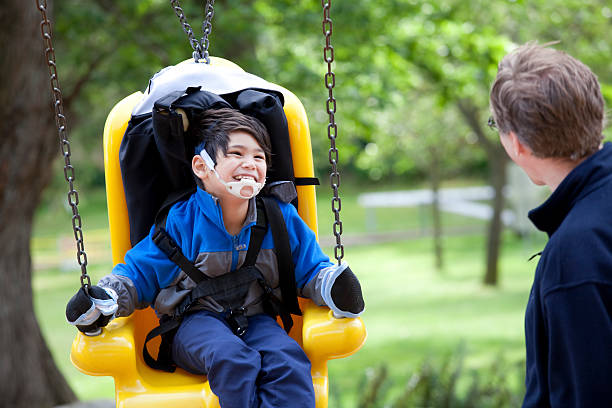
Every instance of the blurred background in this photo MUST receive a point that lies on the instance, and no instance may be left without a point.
(434, 215)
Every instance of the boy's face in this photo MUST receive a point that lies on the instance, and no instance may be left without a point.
(244, 159)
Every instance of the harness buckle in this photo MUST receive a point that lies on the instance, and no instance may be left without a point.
(267, 289)
(237, 321)
(165, 243)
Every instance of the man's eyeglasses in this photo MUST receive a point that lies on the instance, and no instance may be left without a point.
(491, 123)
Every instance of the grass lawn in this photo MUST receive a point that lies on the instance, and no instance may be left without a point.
(413, 312)
(416, 314)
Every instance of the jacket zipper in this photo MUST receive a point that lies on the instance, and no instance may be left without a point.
(235, 241)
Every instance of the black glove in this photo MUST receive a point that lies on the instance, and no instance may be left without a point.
(341, 291)
(346, 292)
(91, 312)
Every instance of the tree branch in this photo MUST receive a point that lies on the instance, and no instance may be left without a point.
(470, 114)
(81, 81)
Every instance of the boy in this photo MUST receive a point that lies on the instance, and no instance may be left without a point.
(549, 111)
(262, 367)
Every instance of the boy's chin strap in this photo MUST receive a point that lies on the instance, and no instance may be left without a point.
(235, 187)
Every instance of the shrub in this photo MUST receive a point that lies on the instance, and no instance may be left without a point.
(447, 384)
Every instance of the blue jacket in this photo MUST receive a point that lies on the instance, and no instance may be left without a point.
(148, 277)
(568, 322)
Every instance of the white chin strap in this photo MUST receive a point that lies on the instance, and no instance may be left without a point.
(245, 188)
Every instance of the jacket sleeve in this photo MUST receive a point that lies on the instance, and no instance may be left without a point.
(145, 271)
(308, 257)
(127, 296)
(578, 319)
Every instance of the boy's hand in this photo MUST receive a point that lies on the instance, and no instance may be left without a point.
(341, 291)
(184, 117)
(89, 313)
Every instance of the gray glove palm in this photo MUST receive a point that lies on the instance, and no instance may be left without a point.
(89, 312)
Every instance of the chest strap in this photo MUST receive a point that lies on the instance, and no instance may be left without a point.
(173, 251)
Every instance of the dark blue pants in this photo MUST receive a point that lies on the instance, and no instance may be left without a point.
(264, 368)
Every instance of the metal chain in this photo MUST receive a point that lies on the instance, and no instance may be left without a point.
(200, 48)
(332, 130)
(207, 28)
(60, 121)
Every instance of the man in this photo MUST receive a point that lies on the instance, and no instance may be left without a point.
(549, 111)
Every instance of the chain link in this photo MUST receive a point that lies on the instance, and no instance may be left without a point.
(207, 28)
(200, 48)
(60, 121)
(332, 130)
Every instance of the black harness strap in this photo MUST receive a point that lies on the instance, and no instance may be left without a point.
(166, 329)
(258, 232)
(286, 269)
(282, 248)
(164, 241)
(307, 181)
(168, 246)
(224, 288)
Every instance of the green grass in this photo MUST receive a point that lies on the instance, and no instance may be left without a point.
(413, 312)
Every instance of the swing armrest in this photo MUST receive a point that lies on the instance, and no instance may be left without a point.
(111, 353)
(326, 337)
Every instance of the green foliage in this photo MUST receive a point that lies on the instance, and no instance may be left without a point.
(442, 384)
(402, 67)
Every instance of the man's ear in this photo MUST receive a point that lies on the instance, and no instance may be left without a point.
(200, 169)
(519, 148)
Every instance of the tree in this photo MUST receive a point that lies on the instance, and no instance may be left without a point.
(440, 48)
(29, 375)
(453, 47)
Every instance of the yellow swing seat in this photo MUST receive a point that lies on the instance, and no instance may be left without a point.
(117, 352)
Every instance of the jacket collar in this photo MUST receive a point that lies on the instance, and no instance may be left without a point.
(209, 205)
(583, 179)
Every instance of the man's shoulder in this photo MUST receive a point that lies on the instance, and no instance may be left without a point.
(590, 214)
(580, 251)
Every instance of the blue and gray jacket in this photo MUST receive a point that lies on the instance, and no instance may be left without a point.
(149, 277)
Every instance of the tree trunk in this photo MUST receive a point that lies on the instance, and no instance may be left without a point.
(434, 177)
(498, 181)
(29, 375)
(497, 159)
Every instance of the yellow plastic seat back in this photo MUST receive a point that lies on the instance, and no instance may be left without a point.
(117, 352)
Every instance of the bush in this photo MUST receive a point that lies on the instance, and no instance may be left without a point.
(444, 385)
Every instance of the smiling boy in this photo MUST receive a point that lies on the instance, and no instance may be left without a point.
(258, 366)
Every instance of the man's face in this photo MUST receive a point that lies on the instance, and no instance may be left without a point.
(507, 143)
(522, 156)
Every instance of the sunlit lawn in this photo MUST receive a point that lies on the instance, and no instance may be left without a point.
(413, 312)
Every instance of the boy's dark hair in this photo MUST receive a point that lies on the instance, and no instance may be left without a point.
(211, 130)
(550, 100)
